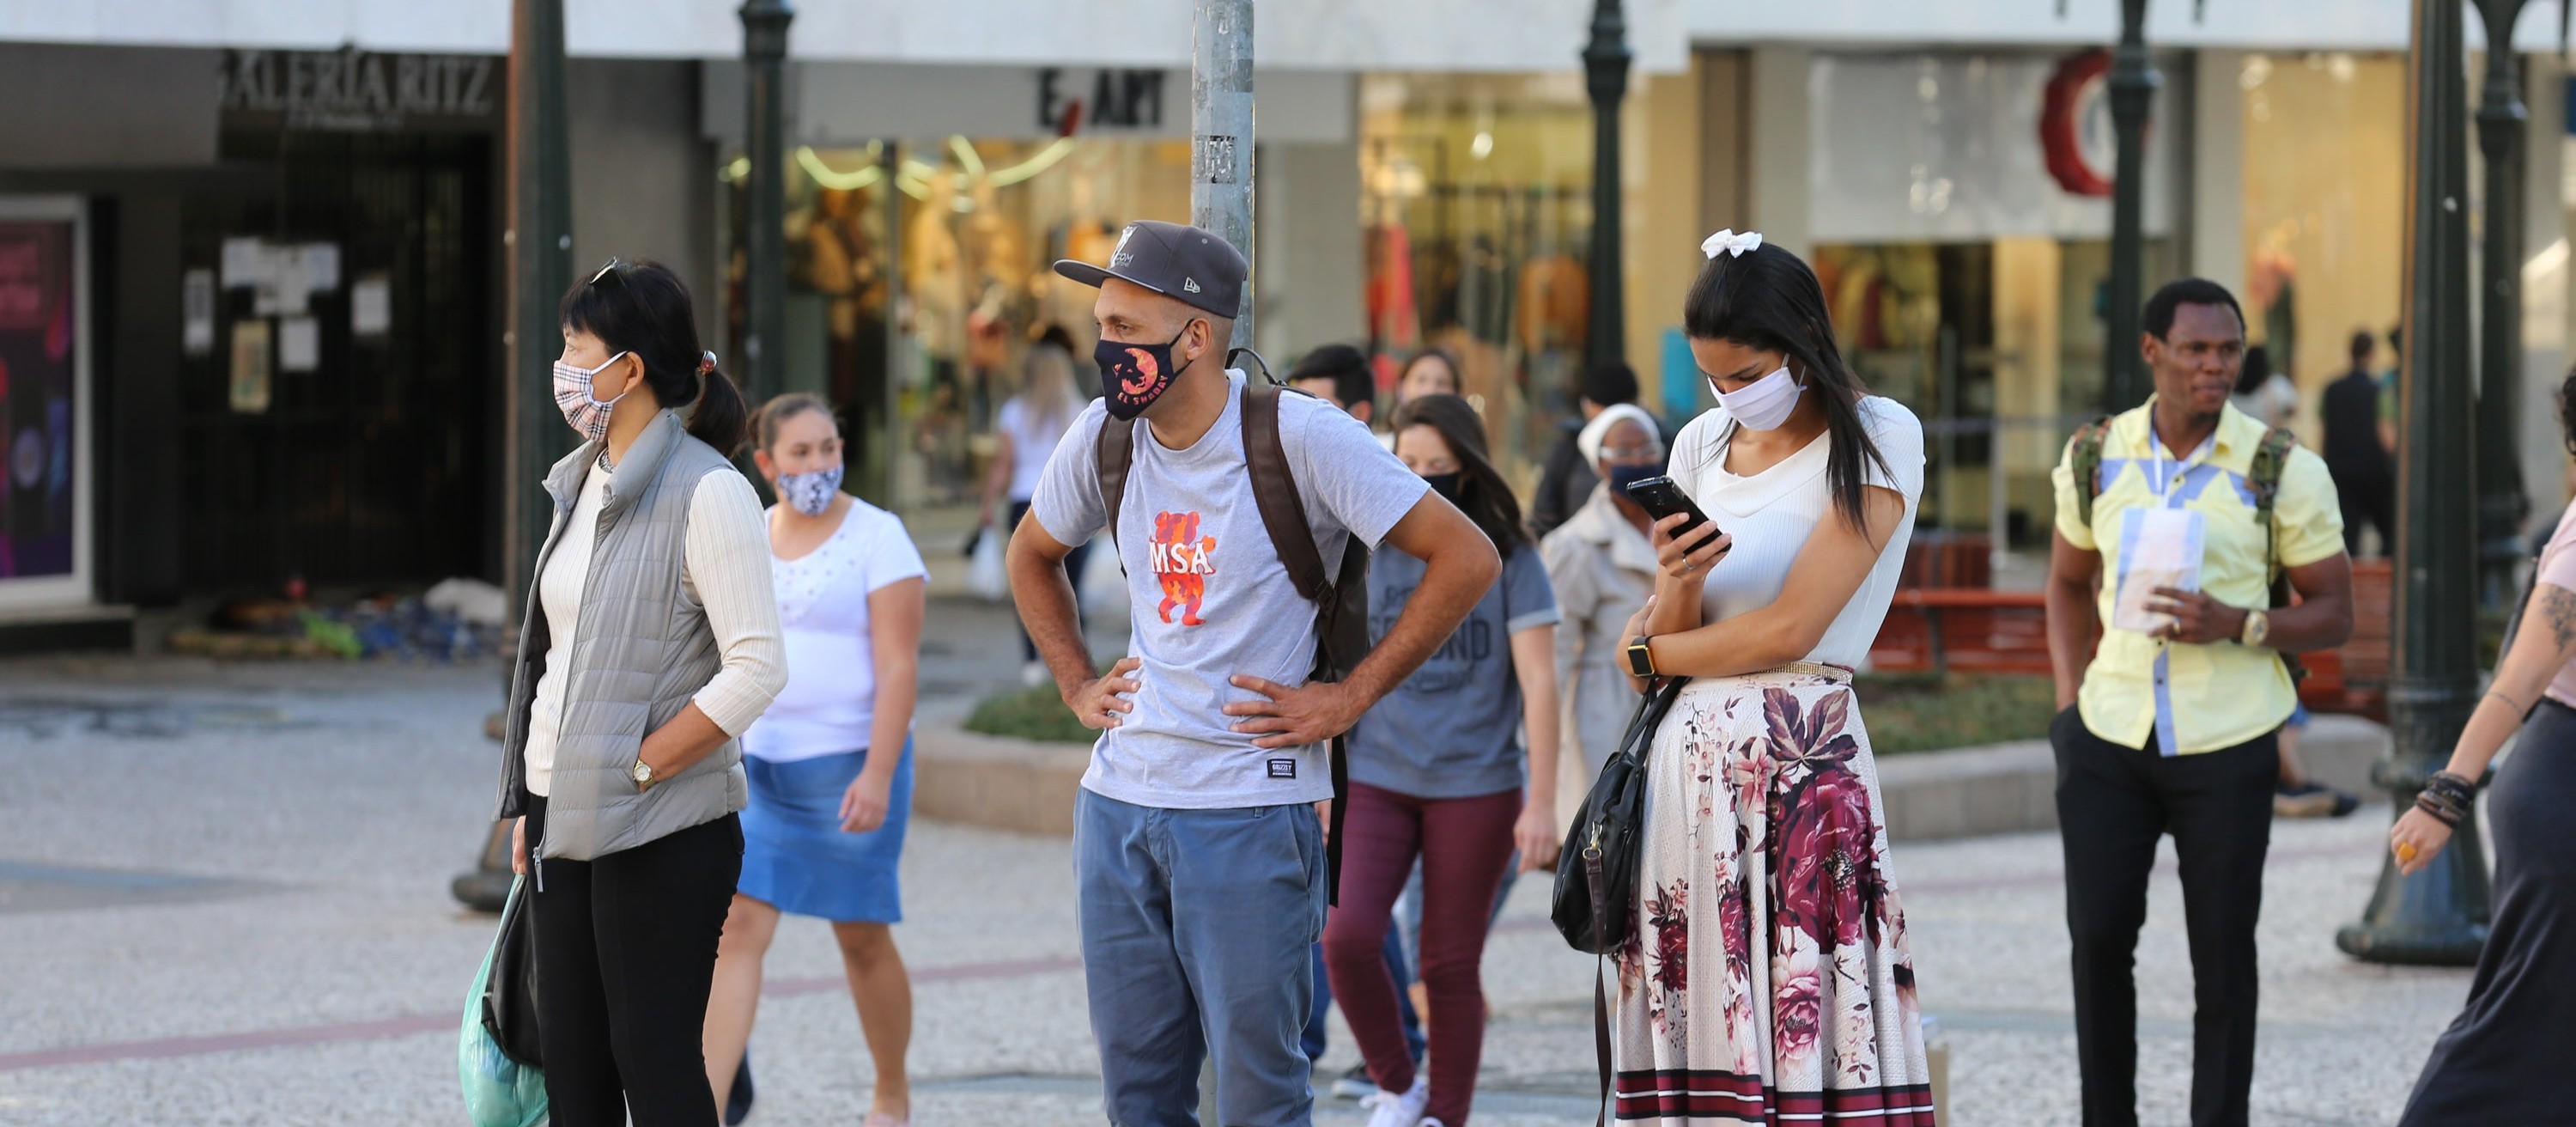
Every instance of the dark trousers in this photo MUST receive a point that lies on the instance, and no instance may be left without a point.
(1072, 570)
(2113, 802)
(2367, 498)
(626, 951)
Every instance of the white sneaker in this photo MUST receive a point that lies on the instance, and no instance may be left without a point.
(1392, 1110)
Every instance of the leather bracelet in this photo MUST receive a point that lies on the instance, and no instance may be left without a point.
(2439, 812)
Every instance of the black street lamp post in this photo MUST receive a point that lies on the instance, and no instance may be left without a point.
(1605, 68)
(764, 57)
(2439, 915)
(2133, 85)
(2503, 123)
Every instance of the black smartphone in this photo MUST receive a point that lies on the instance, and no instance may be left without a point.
(1661, 498)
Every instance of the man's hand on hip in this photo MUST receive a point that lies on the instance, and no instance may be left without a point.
(1099, 702)
(1310, 713)
(2198, 619)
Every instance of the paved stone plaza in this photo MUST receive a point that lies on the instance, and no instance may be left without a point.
(223, 900)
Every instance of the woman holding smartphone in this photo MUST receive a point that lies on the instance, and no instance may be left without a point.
(1769, 977)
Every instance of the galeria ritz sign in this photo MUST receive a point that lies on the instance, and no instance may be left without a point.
(353, 91)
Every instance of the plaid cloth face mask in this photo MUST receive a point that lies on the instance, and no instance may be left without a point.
(587, 414)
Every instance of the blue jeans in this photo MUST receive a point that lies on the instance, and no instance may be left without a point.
(1195, 930)
(1396, 964)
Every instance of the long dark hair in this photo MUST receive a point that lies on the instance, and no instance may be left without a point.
(1482, 493)
(1767, 298)
(643, 308)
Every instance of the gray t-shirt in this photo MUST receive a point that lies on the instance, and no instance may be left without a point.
(1452, 730)
(1211, 598)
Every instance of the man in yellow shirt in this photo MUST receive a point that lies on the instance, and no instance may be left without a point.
(2170, 727)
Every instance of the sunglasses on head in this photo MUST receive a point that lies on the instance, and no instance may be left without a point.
(609, 271)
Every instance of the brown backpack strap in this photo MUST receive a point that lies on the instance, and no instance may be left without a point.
(1116, 451)
(1274, 488)
(1283, 514)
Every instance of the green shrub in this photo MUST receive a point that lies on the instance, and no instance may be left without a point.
(1904, 711)
(1930, 711)
(1033, 713)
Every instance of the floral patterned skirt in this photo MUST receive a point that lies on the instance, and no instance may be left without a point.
(1767, 979)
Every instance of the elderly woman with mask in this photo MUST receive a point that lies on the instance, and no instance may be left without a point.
(1603, 568)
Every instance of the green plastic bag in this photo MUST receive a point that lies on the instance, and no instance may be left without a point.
(499, 1092)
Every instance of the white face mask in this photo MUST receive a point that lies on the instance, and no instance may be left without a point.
(582, 408)
(1765, 403)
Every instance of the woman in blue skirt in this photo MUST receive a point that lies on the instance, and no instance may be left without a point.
(831, 762)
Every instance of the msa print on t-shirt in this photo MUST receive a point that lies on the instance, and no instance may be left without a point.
(1180, 560)
(1210, 599)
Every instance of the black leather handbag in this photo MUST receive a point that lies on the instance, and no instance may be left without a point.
(1596, 871)
(510, 993)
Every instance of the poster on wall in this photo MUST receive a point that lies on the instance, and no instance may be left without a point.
(42, 550)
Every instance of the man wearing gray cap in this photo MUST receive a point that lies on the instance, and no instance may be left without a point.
(1198, 850)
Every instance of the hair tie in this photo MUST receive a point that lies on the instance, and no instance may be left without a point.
(706, 363)
(1728, 242)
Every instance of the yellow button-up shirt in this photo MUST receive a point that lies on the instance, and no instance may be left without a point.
(2214, 696)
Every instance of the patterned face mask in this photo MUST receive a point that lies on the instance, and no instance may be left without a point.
(587, 414)
(810, 493)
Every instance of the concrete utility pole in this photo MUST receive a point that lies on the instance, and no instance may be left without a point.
(539, 245)
(2503, 122)
(764, 71)
(2133, 85)
(1221, 133)
(2438, 916)
(1605, 72)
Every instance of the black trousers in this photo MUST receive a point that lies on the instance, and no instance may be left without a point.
(2113, 802)
(626, 953)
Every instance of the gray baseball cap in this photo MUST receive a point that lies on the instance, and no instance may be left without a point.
(1183, 263)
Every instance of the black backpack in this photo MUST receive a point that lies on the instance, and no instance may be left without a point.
(1341, 601)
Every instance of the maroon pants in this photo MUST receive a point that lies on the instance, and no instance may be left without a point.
(1464, 844)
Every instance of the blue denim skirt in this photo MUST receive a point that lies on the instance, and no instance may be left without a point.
(795, 856)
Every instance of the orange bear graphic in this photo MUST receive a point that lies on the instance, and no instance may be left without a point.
(1181, 561)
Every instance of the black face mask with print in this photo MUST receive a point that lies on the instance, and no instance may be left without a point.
(1133, 376)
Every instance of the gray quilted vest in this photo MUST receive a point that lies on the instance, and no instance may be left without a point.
(642, 650)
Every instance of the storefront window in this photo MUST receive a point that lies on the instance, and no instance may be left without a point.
(2325, 197)
(919, 277)
(1476, 197)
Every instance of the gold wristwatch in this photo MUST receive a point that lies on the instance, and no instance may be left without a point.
(1641, 660)
(642, 773)
(2258, 626)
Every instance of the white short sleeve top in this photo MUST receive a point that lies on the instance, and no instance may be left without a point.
(1771, 513)
(829, 704)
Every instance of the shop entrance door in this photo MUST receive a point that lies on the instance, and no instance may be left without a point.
(339, 425)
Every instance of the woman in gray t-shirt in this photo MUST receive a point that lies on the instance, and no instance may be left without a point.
(1438, 774)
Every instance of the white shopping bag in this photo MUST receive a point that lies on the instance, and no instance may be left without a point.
(985, 575)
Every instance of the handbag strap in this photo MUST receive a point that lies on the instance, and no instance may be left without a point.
(1601, 1033)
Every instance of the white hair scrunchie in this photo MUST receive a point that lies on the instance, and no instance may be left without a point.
(1728, 242)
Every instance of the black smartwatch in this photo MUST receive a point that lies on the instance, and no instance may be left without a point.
(1641, 660)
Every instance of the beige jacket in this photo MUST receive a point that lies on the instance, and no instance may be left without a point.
(1603, 570)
